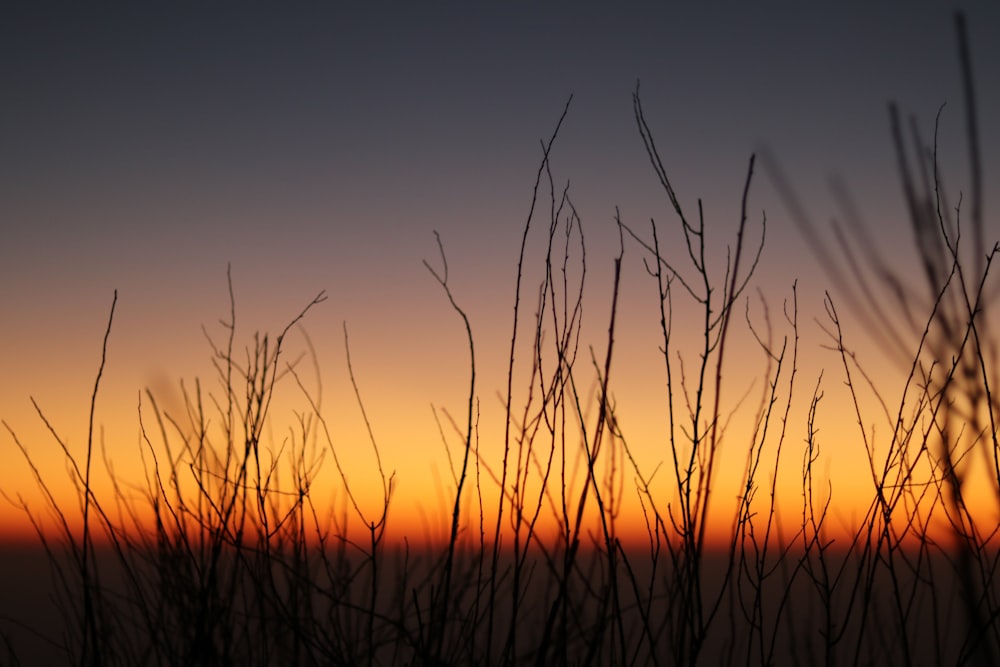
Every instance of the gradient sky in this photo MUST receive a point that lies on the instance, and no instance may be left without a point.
(144, 149)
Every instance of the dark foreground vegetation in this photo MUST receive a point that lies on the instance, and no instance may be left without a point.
(225, 557)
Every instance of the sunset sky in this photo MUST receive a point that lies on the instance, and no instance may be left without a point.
(145, 149)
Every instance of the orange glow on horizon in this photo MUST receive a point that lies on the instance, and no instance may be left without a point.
(343, 445)
(420, 451)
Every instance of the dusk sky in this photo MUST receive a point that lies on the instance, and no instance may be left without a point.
(311, 148)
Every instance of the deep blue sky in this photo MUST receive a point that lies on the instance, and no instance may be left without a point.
(216, 133)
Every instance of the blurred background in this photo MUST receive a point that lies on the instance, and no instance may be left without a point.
(145, 149)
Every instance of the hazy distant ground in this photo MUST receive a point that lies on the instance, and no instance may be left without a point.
(27, 602)
(26, 599)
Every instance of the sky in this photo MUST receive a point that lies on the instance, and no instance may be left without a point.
(146, 149)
